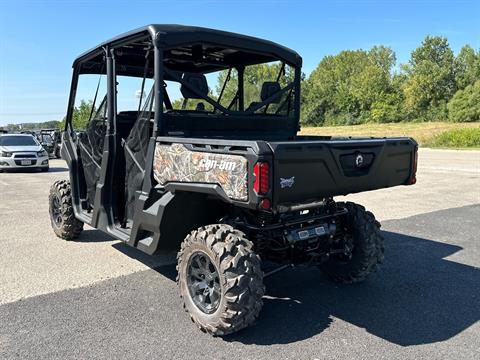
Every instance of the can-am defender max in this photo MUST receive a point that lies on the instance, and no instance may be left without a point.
(222, 175)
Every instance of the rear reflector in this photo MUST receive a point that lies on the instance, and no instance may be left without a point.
(265, 204)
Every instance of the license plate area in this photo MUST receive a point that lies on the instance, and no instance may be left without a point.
(26, 162)
(307, 233)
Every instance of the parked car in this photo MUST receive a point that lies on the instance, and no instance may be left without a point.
(22, 151)
(224, 179)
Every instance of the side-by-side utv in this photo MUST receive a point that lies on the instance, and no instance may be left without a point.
(51, 141)
(208, 162)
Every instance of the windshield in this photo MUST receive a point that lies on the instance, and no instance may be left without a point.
(17, 141)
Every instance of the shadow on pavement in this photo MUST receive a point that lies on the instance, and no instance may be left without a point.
(33, 170)
(163, 263)
(58, 169)
(417, 298)
(93, 236)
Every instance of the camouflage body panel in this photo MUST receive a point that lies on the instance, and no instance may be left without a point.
(177, 163)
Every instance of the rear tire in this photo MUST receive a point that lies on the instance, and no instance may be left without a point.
(62, 217)
(226, 295)
(367, 252)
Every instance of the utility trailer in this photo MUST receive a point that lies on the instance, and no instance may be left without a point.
(219, 175)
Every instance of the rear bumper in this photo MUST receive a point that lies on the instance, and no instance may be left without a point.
(7, 163)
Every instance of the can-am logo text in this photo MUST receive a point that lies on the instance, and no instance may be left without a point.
(210, 164)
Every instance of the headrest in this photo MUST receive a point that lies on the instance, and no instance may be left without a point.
(198, 82)
(268, 89)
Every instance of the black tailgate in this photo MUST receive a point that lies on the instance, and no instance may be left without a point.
(310, 170)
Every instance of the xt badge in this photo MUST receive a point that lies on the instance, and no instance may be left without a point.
(287, 182)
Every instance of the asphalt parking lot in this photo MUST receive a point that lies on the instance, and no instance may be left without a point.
(96, 298)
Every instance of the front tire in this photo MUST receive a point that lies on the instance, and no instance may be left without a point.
(367, 252)
(62, 217)
(220, 279)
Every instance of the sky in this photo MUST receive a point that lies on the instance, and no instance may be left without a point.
(40, 39)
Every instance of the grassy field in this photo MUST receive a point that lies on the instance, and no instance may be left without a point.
(428, 134)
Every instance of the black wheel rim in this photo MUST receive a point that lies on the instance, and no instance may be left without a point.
(203, 282)
(56, 212)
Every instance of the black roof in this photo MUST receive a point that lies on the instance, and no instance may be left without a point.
(171, 36)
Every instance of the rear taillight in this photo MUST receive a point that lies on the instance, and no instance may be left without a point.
(261, 172)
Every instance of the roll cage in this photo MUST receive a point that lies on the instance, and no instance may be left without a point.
(169, 52)
(111, 160)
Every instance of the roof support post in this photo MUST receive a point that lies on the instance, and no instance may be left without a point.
(298, 76)
(159, 127)
(71, 102)
(241, 90)
(111, 91)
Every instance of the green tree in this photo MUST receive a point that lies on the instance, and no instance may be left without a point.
(467, 67)
(327, 92)
(81, 115)
(344, 88)
(465, 104)
(383, 57)
(431, 78)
